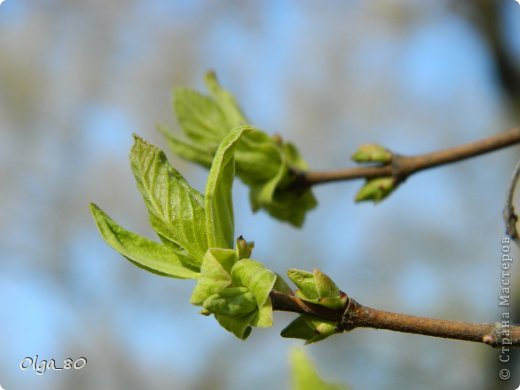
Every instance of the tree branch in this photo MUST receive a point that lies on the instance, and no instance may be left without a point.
(404, 166)
(510, 217)
(356, 315)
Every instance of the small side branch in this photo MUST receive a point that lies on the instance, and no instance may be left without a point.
(356, 315)
(510, 217)
(404, 166)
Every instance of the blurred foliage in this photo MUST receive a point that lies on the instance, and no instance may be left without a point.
(268, 165)
(305, 376)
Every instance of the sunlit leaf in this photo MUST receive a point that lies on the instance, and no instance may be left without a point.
(265, 163)
(231, 302)
(176, 209)
(253, 275)
(239, 326)
(218, 199)
(141, 251)
(215, 274)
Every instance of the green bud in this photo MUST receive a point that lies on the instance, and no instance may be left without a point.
(244, 248)
(298, 329)
(376, 189)
(325, 286)
(317, 288)
(305, 282)
(368, 153)
(310, 329)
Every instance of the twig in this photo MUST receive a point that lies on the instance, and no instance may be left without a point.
(404, 166)
(356, 315)
(510, 217)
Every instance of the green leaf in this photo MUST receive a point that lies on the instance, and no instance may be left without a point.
(215, 274)
(218, 199)
(266, 164)
(225, 101)
(264, 316)
(200, 117)
(141, 251)
(239, 326)
(268, 168)
(176, 209)
(281, 285)
(191, 152)
(253, 275)
(231, 302)
(305, 375)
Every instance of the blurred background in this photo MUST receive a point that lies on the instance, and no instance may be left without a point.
(77, 78)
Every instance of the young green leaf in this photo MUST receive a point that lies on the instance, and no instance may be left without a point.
(141, 251)
(215, 274)
(264, 316)
(225, 101)
(239, 326)
(200, 117)
(218, 200)
(231, 302)
(191, 152)
(264, 163)
(176, 209)
(253, 275)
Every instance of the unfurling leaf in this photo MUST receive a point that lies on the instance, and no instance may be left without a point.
(239, 326)
(218, 199)
(236, 291)
(376, 189)
(266, 164)
(141, 251)
(253, 275)
(215, 274)
(231, 302)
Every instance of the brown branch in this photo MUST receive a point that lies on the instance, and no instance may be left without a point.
(356, 315)
(404, 166)
(510, 216)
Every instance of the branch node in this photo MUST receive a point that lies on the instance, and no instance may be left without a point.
(399, 173)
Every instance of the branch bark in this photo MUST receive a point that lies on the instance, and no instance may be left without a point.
(510, 217)
(404, 166)
(355, 315)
